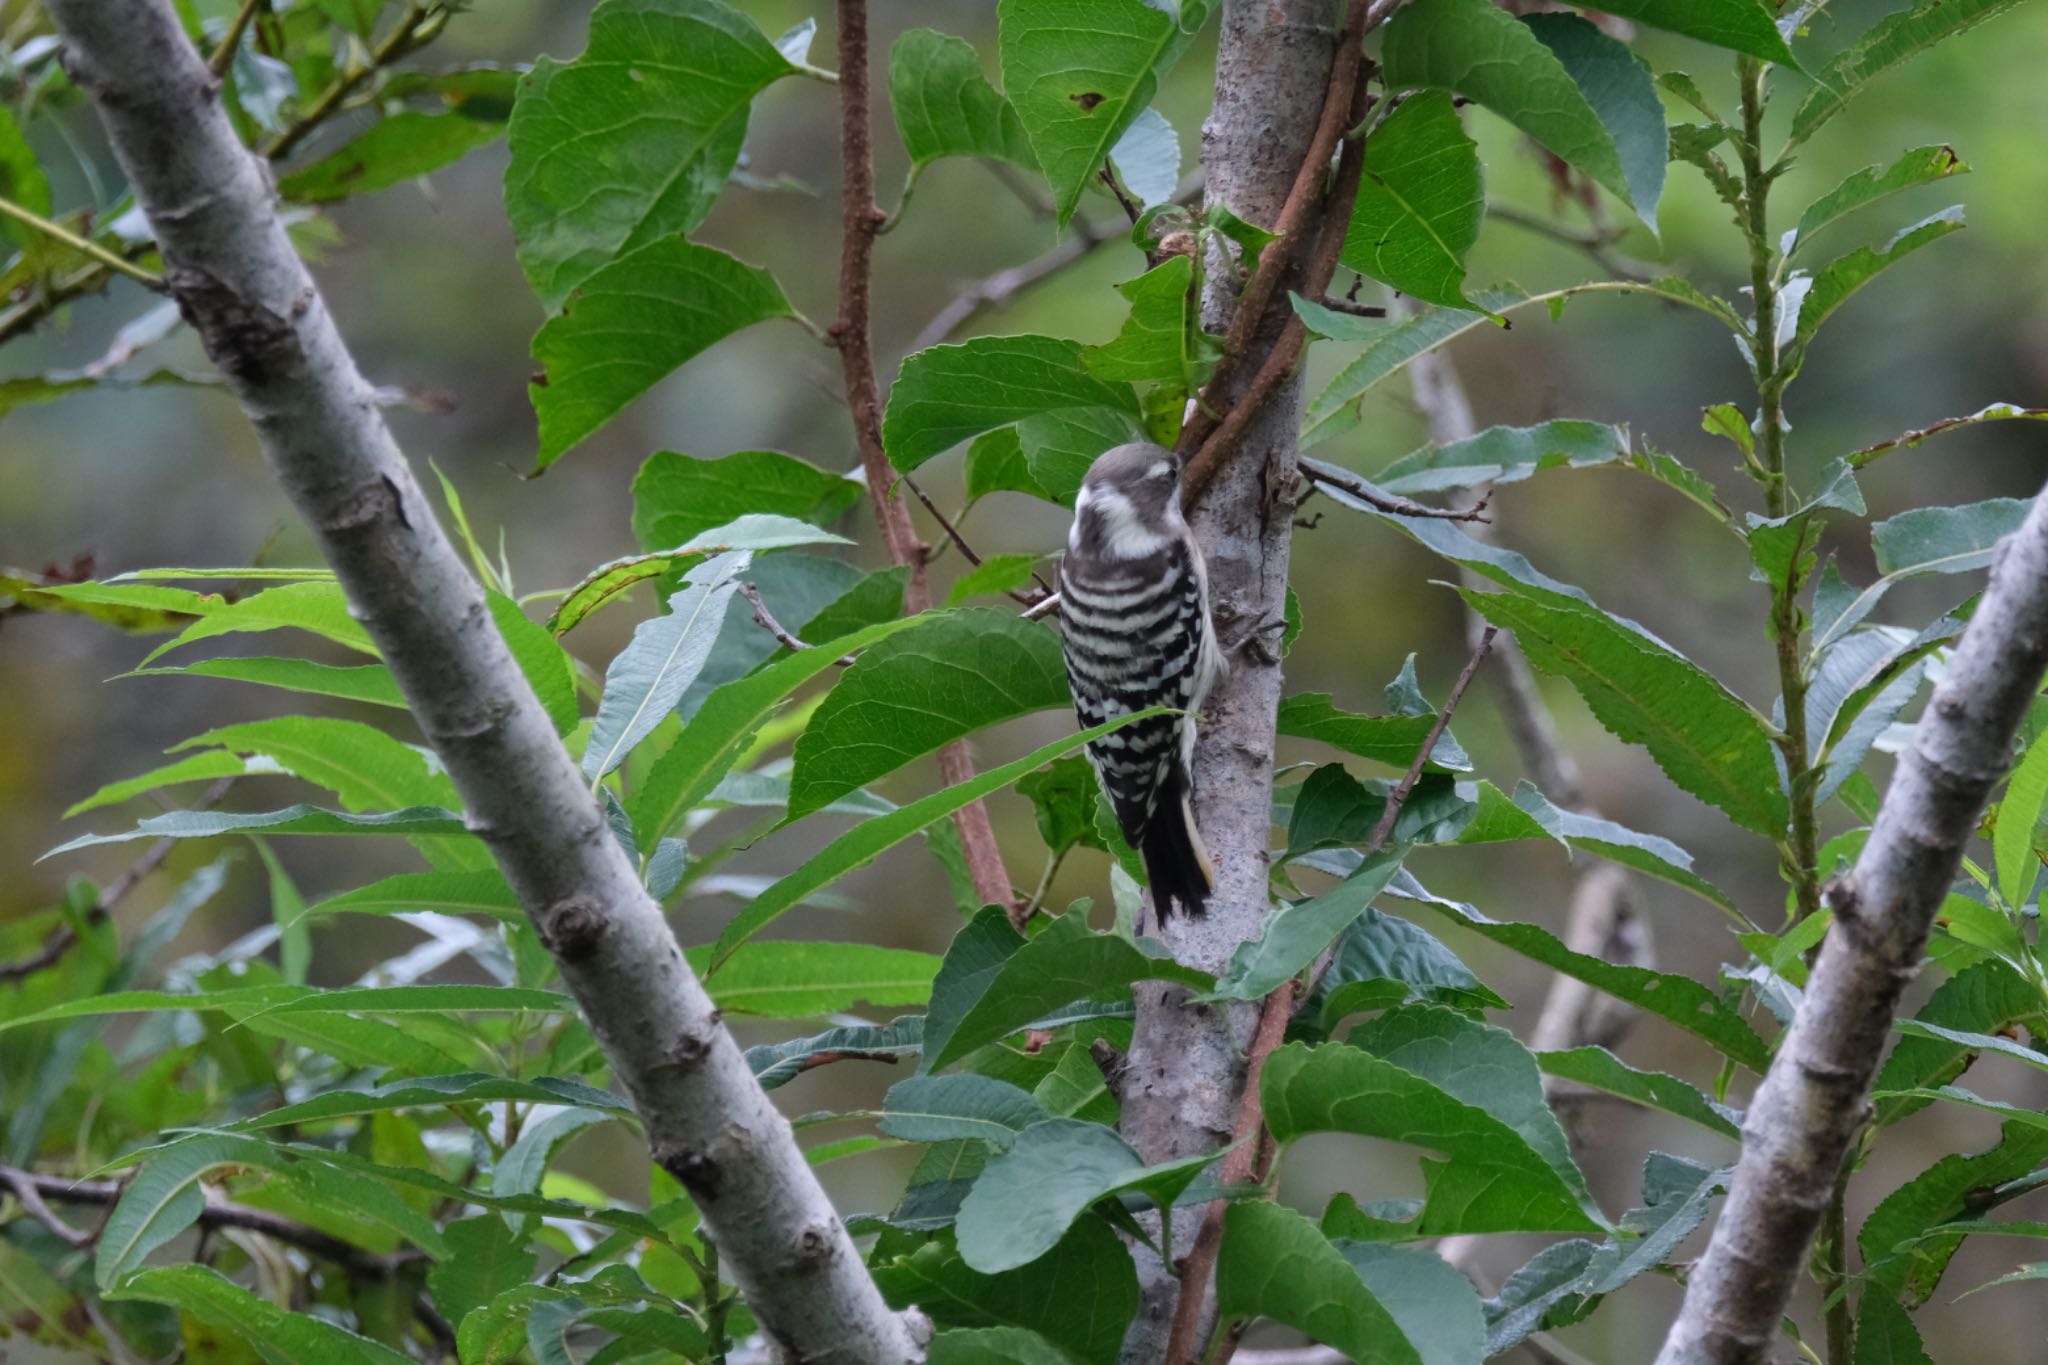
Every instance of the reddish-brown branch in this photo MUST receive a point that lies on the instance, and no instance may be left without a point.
(852, 333)
(1251, 1154)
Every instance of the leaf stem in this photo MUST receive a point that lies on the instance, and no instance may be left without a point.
(85, 246)
(224, 56)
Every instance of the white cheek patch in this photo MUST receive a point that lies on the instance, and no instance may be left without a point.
(1124, 535)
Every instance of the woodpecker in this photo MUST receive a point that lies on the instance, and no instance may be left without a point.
(1134, 614)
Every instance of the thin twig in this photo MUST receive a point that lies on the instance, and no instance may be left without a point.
(1049, 605)
(1020, 596)
(224, 56)
(1399, 796)
(85, 246)
(32, 1200)
(783, 635)
(417, 26)
(1329, 476)
(1352, 306)
(1597, 244)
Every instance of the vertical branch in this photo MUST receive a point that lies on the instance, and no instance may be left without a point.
(1816, 1094)
(852, 333)
(264, 323)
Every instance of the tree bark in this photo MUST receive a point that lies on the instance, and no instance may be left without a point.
(262, 320)
(1186, 1064)
(1816, 1094)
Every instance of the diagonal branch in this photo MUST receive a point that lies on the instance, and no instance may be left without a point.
(264, 322)
(1817, 1093)
(852, 332)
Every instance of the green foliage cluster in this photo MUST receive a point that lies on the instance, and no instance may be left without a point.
(366, 1172)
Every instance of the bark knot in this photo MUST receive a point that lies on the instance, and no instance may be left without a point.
(573, 927)
(242, 335)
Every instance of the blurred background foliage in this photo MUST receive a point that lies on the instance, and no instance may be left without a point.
(426, 289)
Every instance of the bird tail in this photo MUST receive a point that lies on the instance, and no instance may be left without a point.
(1176, 862)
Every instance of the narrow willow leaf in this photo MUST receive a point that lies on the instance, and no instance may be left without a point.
(1842, 277)
(1026, 1198)
(1505, 455)
(1900, 1260)
(1891, 41)
(679, 500)
(207, 824)
(1078, 72)
(398, 147)
(1393, 740)
(1985, 999)
(907, 696)
(317, 607)
(962, 1107)
(797, 980)
(948, 394)
(1275, 1264)
(433, 1092)
(776, 1064)
(1296, 934)
(1420, 203)
(140, 608)
(245, 1001)
(1390, 345)
(370, 683)
(648, 677)
(285, 1338)
(1648, 853)
(1600, 1069)
(627, 326)
(1925, 540)
(547, 666)
(364, 767)
(201, 767)
(945, 106)
(865, 842)
(1921, 166)
(630, 143)
(1623, 94)
(1475, 50)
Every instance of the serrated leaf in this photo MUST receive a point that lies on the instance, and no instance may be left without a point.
(1980, 1000)
(678, 500)
(1891, 41)
(1738, 25)
(489, 1258)
(1419, 203)
(995, 464)
(1390, 347)
(776, 1064)
(948, 394)
(630, 143)
(366, 768)
(1648, 853)
(958, 1107)
(285, 1338)
(1296, 934)
(1392, 740)
(1382, 961)
(1505, 455)
(798, 980)
(433, 1092)
(1059, 445)
(371, 683)
(547, 666)
(1921, 166)
(400, 146)
(483, 892)
(1275, 1264)
(1846, 274)
(945, 106)
(1157, 341)
(1600, 1069)
(1545, 1281)
(1925, 540)
(1027, 1197)
(1475, 50)
(1622, 92)
(1899, 1260)
(1078, 72)
(955, 673)
(317, 607)
(200, 767)
(626, 326)
(1885, 1334)
(650, 674)
(208, 824)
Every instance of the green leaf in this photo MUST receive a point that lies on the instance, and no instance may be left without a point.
(317, 607)
(1419, 204)
(1505, 455)
(1079, 71)
(1845, 275)
(284, 1338)
(797, 980)
(995, 464)
(1473, 49)
(630, 324)
(1275, 1264)
(1921, 166)
(1891, 41)
(1738, 25)
(1647, 853)
(450, 893)
(1392, 740)
(2019, 812)
(1985, 999)
(776, 1064)
(1063, 797)
(947, 394)
(1922, 541)
(995, 575)
(201, 767)
(1080, 1296)
(1296, 934)
(629, 144)
(1902, 1263)
(867, 841)
(992, 984)
(1885, 1334)
(952, 1108)
(649, 675)
(1060, 445)
(1623, 94)
(366, 768)
(1383, 961)
(1161, 339)
(689, 770)
(945, 106)
(1602, 1070)
(370, 683)
(1390, 345)
(1705, 738)
(208, 824)
(678, 499)
(434, 1092)
(1028, 1196)
(956, 673)
(995, 1346)
(1493, 1180)
(489, 1258)
(547, 666)
(401, 146)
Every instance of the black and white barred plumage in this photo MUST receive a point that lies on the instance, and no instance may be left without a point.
(1134, 612)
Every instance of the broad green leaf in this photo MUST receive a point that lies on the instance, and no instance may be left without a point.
(798, 980)
(284, 1338)
(776, 1064)
(1505, 455)
(208, 824)
(1921, 166)
(991, 985)
(1432, 1301)
(1390, 345)
(996, 464)
(1078, 72)
(956, 673)
(483, 892)
(1845, 275)
(1275, 1264)
(201, 767)
(370, 683)
(401, 146)
(1027, 1197)
(629, 144)
(1063, 797)
(1060, 445)
(945, 106)
(1383, 961)
(1738, 25)
(1623, 94)
(1903, 1264)
(1419, 203)
(648, 677)
(1705, 738)
(679, 500)
(1392, 740)
(948, 394)
(689, 770)
(1473, 49)
(865, 842)
(1891, 41)
(22, 179)
(489, 1258)
(1296, 934)
(1677, 999)
(624, 328)
(1985, 999)
(1885, 1334)
(1493, 1181)
(1602, 1070)
(994, 1346)
(994, 575)
(1080, 1296)
(1161, 338)
(958, 1107)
